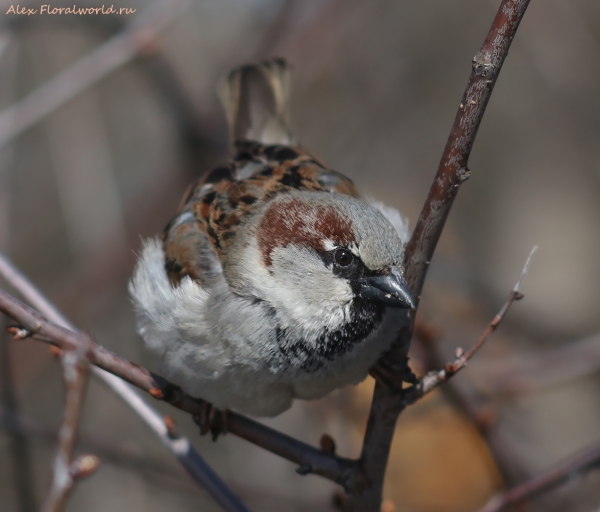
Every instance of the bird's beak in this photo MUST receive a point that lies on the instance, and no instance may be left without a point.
(391, 290)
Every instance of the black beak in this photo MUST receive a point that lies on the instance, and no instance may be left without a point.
(391, 290)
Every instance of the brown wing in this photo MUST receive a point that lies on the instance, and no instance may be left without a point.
(214, 206)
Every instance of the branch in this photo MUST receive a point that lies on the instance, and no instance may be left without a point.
(433, 379)
(451, 173)
(180, 447)
(67, 470)
(453, 170)
(311, 460)
(563, 472)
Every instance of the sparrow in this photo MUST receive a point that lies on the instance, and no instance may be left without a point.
(275, 280)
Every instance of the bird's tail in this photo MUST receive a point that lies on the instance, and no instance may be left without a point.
(255, 98)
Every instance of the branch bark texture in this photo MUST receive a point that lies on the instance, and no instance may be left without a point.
(453, 169)
(452, 172)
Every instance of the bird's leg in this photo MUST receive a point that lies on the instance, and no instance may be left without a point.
(212, 420)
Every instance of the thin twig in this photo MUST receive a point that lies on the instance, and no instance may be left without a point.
(68, 470)
(561, 473)
(452, 171)
(108, 57)
(180, 447)
(433, 379)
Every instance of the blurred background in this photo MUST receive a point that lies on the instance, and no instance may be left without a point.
(96, 160)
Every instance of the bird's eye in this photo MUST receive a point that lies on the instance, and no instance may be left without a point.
(343, 257)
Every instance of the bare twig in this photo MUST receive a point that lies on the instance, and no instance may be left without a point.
(312, 460)
(180, 447)
(111, 55)
(452, 171)
(433, 379)
(67, 470)
(561, 473)
(386, 406)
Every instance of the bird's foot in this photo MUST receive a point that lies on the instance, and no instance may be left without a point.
(212, 420)
(392, 375)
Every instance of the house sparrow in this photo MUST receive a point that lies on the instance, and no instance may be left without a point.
(275, 280)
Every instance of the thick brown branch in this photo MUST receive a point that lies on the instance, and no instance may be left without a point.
(67, 470)
(451, 172)
(311, 460)
(561, 473)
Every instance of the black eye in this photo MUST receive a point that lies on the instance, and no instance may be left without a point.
(343, 257)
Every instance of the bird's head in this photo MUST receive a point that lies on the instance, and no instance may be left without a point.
(313, 254)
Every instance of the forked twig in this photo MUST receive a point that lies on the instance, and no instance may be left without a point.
(68, 470)
(435, 378)
(180, 447)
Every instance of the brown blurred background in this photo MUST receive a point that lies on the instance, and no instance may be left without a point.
(375, 90)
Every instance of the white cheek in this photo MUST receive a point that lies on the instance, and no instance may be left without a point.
(297, 285)
(251, 273)
(307, 291)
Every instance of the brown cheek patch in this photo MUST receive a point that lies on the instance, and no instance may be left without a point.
(293, 222)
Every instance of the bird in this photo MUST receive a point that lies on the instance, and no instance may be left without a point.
(276, 280)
